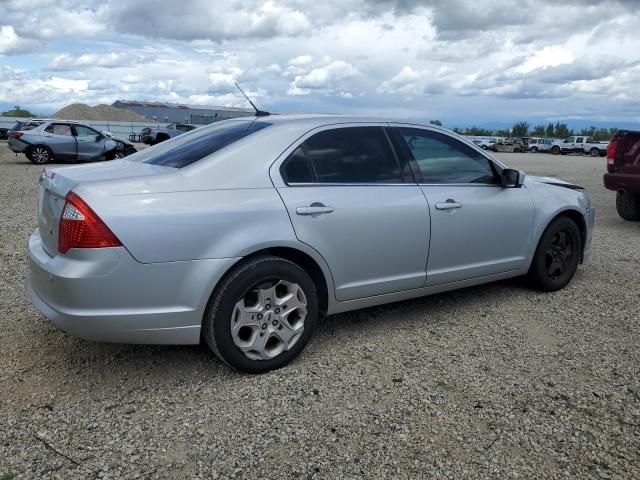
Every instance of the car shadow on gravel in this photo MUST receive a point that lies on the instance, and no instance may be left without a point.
(87, 361)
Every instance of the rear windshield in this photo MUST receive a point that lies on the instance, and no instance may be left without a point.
(190, 147)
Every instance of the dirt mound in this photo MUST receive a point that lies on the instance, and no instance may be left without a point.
(80, 111)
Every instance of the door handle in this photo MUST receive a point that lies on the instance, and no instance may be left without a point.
(314, 209)
(449, 204)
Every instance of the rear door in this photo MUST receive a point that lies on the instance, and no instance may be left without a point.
(350, 198)
(90, 143)
(60, 139)
(478, 228)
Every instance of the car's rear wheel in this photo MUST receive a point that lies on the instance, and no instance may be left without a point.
(555, 150)
(628, 205)
(262, 315)
(40, 155)
(557, 256)
(594, 152)
(484, 147)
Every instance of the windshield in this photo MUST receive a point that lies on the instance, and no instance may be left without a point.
(190, 147)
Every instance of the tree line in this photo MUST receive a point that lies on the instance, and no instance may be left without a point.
(523, 129)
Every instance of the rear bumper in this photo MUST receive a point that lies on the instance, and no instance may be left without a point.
(105, 295)
(16, 145)
(622, 181)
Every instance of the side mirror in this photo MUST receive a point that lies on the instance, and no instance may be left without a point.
(512, 178)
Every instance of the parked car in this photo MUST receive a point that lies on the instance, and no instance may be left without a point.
(60, 140)
(3, 133)
(509, 145)
(623, 172)
(244, 233)
(153, 135)
(580, 144)
(540, 145)
(485, 143)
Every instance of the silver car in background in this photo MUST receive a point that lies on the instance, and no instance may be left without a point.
(67, 141)
(244, 233)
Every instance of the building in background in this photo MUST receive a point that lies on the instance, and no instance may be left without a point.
(178, 113)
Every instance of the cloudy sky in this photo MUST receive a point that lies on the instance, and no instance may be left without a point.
(460, 61)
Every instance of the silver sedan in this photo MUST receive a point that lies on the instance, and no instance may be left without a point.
(245, 233)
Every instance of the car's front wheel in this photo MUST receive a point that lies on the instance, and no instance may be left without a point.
(262, 315)
(557, 256)
(40, 155)
(534, 149)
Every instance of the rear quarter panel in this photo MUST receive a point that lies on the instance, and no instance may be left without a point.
(192, 225)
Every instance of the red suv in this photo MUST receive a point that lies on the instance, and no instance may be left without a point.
(623, 172)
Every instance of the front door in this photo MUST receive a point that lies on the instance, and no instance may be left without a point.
(350, 199)
(90, 143)
(478, 228)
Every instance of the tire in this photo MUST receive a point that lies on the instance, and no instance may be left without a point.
(260, 345)
(557, 255)
(161, 138)
(484, 147)
(555, 150)
(534, 149)
(628, 205)
(594, 152)
(40, 155)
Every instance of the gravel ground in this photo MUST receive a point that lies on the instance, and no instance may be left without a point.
(497, 381)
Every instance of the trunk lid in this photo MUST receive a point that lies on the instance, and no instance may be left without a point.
(55, 183)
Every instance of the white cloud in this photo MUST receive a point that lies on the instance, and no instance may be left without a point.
(453, 59)
(12, 44)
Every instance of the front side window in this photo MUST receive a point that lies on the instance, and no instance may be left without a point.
(82, 131)
(353, 155)
(197, 144)
(444, 159)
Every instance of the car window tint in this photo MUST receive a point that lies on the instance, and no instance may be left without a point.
(192, 146)
(444, 159)
(297, 168)
(353, 155)
(82, 131)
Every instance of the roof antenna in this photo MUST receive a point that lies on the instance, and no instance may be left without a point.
(259, 113)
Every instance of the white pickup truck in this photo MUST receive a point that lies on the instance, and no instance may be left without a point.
(580, 144)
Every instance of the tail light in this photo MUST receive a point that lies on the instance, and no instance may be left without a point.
(80, 227)
(612, 152)
(15, 134)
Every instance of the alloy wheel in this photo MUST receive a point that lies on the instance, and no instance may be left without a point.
(40, 155)
(269, 319)
(559, 254)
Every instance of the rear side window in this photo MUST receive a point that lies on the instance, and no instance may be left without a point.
(59, 129)
(353, 155)
(297, 168)
(444, 159)
(190, 147)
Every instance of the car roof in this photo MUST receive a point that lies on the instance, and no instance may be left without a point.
(311, 121)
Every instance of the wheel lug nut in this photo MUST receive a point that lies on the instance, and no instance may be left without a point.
(259, 316)
(264, 326)
(267, 306)
(274, 323)
(277, 311)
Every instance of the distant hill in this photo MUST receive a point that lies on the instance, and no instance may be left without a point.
(80, 111)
